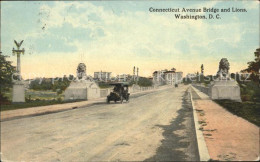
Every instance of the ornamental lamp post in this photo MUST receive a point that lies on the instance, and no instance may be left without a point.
(18, 52)
(137, 75)
(18, 86)
(134, 73)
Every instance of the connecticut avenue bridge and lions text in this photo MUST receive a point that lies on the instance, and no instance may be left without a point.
(204, 9)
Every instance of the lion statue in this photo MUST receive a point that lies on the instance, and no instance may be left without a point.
(223, 69)
(81, 71)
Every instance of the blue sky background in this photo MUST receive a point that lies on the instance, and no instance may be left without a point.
(115, 36)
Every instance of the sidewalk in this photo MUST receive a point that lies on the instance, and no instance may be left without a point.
(227, 136)
(25, 112)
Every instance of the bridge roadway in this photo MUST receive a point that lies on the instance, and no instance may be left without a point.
(153, 126)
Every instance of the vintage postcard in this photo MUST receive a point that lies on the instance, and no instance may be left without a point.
(130, 80)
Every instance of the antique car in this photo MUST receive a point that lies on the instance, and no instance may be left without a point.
(120, 92)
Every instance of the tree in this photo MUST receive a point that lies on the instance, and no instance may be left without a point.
(7, 71)
(144, 82)
(253, 67)
(55, 84)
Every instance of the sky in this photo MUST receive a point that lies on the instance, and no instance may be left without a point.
(114, 36)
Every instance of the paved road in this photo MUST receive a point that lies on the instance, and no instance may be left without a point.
(155, 126)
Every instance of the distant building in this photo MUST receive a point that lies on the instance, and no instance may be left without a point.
(124, 77)
(169, 77)
(178, 77)
(159, 77)
(102, 76)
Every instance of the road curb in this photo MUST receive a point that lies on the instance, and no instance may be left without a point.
(202, 147)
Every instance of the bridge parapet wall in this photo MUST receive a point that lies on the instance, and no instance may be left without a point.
(202, 88)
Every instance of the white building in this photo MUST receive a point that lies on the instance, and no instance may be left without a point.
(102, 76)
(169, 77)
(159, 77)
(124, 77)
(178, 77)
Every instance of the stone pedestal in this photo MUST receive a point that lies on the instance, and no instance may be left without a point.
(82, 90)
(18, 92)
(225, 89)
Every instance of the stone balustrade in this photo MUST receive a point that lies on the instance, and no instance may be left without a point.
(202, 88)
